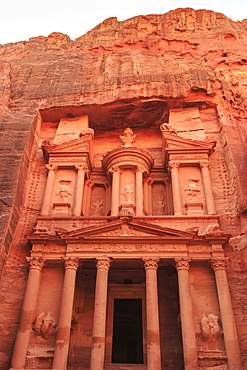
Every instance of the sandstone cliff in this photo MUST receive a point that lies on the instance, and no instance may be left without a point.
(134, 71)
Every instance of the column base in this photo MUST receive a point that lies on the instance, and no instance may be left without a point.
(127, 210)
(60, 209)
(194, 208)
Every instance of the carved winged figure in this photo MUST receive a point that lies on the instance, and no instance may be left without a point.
(63, 190)
(44, 325)
(98, 207)
(192, 189)
(210, 327)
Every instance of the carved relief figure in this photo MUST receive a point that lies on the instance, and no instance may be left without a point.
(128, 138)
(164, 127)
(44, 325)
(159, 205)
(213, 229)
(192, 189)
(63, 191)
(210, 328)
(98, 207)
(128, 193)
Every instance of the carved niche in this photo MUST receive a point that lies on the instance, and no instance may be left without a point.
(129, 165)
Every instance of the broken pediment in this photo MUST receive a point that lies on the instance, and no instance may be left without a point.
(127, 228)
(76, 147)
(183, 148)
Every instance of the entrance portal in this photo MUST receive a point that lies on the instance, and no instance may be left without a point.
(127, 346)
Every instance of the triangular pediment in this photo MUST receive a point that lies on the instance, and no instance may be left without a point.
(183, 148)
(126, 228)
(172, 141)
(77, 148)
(76, 145)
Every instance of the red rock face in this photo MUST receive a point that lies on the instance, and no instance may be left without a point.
(185, 67)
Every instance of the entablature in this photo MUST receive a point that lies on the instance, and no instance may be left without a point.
(128, 239)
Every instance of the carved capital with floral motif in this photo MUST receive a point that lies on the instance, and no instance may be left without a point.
(204, 163)
(115, 168)
(219, 263)
(151, 263)
(172, 165)
(103, 262)
(51, 167)
(81, 167)
(36, 262)
(140, 169)
(182, 263)
(71, 263)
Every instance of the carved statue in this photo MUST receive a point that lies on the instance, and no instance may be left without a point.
(128, 138)
(98, 207)
(48, 142)
(44, 325)
(86, 131)
(63, 190)
(192, 189)
(213, 229)
(164, 127)
(159, 205)
(128, 193)
(210, 328)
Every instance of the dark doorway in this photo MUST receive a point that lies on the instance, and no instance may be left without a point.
(127, 340)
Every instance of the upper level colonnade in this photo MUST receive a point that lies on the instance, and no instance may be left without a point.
(128, 183)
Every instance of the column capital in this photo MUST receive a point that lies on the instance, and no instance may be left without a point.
(103, 262)
(204, 163)
(172, 164)
(182, 263)
(71, 263)
(36, 262)
(140, 169)
(106, 184)
(81, 166)
(115, 168)
(51, 167)
(166, 181)
(219, 263)
(151, 263)
(90, 183)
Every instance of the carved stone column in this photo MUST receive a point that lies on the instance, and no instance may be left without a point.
(187, 316)
(150, 196)
(139, 192)
(65, 316)
(81, 169)
(177, 202)
(115, 190)
(87, 197)
(48, 189)
(227, 315)
(27, 313)
(99, 320)
(153, 328)
(146, 196)
(207, 187)
(108, 197)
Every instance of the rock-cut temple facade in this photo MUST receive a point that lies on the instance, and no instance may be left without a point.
(123, 196)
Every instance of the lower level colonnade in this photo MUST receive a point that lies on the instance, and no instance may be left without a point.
(154, 342)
